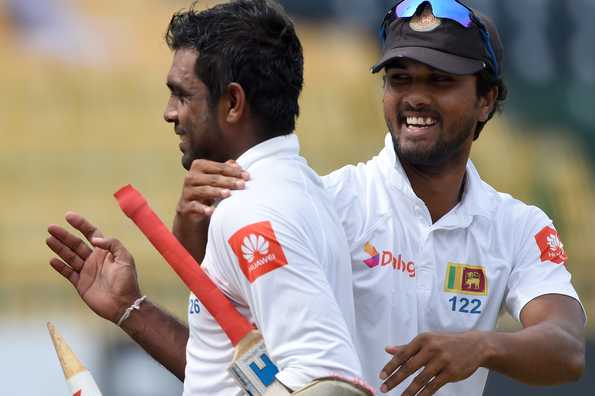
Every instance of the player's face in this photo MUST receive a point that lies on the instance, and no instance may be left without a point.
(188, 109)
(431, 114)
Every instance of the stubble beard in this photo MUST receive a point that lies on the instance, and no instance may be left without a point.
(441, 151)
(209, 147)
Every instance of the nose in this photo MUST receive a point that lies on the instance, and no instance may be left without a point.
(170, 114)
(417, 97)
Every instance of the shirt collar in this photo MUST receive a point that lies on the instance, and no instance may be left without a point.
(280, 146)
(477, 196)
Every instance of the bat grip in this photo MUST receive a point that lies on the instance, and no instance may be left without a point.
(135, 206)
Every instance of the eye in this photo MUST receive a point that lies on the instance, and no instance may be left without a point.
(182, 98)
(442, 78)
(398, 78)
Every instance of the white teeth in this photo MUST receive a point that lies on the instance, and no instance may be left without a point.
(420, 121)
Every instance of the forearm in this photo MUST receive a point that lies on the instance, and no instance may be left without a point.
(543, 354)
(192, 235)
(159, 334)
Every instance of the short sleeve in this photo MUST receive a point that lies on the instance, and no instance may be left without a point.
(268, 262)
(539, 264)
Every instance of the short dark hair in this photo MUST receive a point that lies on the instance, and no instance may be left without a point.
(485, 82)
(252, 43)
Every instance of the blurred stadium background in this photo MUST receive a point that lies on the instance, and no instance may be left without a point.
(81, 115)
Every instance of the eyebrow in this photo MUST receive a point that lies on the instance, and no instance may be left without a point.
(175, 87)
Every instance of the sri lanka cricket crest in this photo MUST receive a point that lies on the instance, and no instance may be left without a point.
(466, 279)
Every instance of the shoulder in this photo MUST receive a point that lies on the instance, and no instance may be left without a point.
(517, 215)
(359, 195)
(287, 202)
(518, 224)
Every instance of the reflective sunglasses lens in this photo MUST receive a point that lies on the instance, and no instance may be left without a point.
(453, 10)
(450, 9)
(407, 8)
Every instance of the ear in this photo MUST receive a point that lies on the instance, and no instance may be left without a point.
(487, 103)
(235, 105)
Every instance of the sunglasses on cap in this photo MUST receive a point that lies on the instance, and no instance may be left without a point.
(449, 9)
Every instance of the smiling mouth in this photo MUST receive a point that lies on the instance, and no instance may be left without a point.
(419, 122)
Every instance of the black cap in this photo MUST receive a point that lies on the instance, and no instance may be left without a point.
(443, 44)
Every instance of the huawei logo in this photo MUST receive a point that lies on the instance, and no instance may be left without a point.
(554, 243)
(550, 246)
(257, 249)
(253, 244)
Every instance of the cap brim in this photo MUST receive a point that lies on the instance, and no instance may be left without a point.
(449, 63)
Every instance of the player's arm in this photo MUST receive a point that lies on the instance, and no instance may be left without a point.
(549, 350)
(104, 275)
(205, 184)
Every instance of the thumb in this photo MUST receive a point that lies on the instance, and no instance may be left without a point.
(112, 245)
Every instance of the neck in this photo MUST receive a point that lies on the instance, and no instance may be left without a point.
(440, 186)
(241, 139)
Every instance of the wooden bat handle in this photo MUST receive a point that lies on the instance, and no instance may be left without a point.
(135, 206)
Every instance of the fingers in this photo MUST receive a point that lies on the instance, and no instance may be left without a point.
(83, 225)
(65, 271)
(196, 207)
(205, 194)
(218, 181)
(434, 385)
(405, 365)
(73, 259)
(72, 242)
(400, 355)
(112, 245)
(230, 169)
(421, 380)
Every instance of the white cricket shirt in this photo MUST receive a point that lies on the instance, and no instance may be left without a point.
(412, 276)
(278, 251)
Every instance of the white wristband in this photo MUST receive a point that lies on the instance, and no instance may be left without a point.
(135, 305)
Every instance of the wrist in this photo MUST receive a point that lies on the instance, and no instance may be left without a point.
(135, 321)
(490, 349)
(135, 306)
(123, 304)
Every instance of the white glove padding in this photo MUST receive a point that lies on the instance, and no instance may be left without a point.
(331, 386)
(334, 386)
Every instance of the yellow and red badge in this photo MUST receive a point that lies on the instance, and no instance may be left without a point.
(466, 279)
(258, 250)
(550, 246)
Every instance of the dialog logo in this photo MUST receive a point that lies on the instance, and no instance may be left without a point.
(374, 259)
(258, 250)
(388, 259)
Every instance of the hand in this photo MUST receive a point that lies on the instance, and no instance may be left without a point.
(444, 358)
(104, 274)
(205, 184)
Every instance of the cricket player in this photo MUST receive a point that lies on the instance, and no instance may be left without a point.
(276, 249)
(436, 252)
